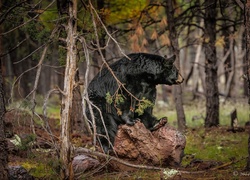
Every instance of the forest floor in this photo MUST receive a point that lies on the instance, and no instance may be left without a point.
(214, 153)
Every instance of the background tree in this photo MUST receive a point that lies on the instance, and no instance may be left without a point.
(247, 73)
(3, 143)
(212, 92)
(173, 36)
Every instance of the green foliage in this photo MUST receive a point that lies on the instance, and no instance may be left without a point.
(118, 99)
(142, 105)
(122, 10)
(109, 98)
(48, 19)
(36, 31)
(62, 55)
(25, 142)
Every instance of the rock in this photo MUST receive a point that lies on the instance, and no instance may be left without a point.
(83, 163)
(19, 173)
(163, 147)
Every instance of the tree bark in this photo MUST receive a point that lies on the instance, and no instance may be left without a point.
(69, 82)
(212, 92)
(247, 26)
(169, 9)
(3, 142)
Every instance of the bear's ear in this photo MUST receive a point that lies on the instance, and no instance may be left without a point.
(170, 60)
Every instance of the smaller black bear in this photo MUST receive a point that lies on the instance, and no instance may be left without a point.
(140, 74)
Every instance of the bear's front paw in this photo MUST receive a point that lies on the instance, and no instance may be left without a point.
(137, 120)
(130, 122)
(160, 124)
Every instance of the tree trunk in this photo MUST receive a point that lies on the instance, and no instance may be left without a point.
(69, 82)
(3, 142)
(196, 67)
(212, 92)
(247, 25)
(175, 49)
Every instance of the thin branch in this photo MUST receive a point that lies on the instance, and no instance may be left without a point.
(85, 92)
(18, 80)
(9, 11)
(100, 52)
(21, 25)
(240, 4)
(30, 54)
(106, 30)
(12, 49)
(47, 126)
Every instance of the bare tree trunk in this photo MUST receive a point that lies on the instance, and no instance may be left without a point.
(212, 92)
(69, 82)
(175, 49)
(3, 142)
(196, 67)
(247, 25)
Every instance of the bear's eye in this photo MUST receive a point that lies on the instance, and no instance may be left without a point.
(173, 71)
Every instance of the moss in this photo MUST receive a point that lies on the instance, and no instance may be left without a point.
(217, 144)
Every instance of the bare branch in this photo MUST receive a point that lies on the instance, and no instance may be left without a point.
(12, 49)
(240, 4)
(21, 25)
(106, 30)
(31, 53)
(9, 11)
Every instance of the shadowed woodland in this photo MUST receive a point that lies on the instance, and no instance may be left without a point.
(51, 50)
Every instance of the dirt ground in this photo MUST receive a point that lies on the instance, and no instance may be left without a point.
(19, 122)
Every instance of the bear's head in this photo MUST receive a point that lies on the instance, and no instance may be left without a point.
(164, 71)
(169, 73)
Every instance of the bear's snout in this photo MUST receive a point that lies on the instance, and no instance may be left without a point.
(180, 79)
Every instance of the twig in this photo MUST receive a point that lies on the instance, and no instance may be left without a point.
(30, 53)
(109, 158)
(227, 164)
(85, 92)
(12, 49)
(47, 126)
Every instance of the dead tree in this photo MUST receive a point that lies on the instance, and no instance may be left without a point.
(69, 82)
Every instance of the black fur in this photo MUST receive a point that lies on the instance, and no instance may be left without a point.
(140, 75)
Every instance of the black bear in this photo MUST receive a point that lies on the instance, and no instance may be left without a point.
(138, 77)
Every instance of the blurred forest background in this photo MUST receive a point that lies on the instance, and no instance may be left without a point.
(41, 39)
(33, 47)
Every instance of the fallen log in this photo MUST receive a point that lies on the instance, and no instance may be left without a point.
(162, 147)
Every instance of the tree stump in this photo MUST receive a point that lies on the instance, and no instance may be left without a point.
(162, 147)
